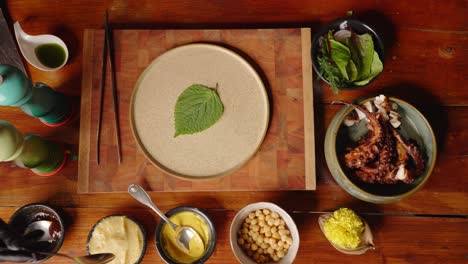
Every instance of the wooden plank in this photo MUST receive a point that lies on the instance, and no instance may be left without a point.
(307, 85)
(398, 239)
(85, 116)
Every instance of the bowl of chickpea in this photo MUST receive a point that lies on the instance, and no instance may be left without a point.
(264, 233)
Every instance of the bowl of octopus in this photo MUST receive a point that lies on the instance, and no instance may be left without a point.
(380, 149)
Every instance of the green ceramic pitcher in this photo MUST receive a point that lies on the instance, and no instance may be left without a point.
(39, 100)
(43, 157)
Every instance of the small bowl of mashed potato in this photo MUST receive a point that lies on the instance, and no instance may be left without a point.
(165, 236)
(120, 235)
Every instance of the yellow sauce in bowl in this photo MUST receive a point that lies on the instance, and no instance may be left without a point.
(197, 247)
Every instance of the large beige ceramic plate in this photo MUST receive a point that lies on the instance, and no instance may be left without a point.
(222, 148)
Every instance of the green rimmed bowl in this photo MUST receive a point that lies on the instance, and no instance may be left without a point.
(338, 137)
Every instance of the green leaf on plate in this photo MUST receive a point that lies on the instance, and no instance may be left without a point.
(197, 109)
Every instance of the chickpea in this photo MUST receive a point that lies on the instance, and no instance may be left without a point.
(275, 215)
(266, 211)
(251, 215)
(264, 245)
(280, 254)
(254, 247)
(254, 237)
(260, 239)
(253, 222)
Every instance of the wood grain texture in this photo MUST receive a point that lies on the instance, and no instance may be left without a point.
(419, 244)
(283, 162)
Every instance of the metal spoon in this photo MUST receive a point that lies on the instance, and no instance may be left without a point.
(88, 259)
(42, 225)
(183, 233)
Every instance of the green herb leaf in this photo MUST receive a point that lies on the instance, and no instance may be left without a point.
(362, 52)
(197, 109)
(341, 56)
(331, 73)
(352, 71)
(376, 68)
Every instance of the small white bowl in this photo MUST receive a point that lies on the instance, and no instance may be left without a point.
(28, 44)
(244, 213)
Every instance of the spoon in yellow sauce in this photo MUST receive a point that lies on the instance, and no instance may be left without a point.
(184, 234)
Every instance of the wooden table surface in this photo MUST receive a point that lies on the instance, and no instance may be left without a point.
(425, 64)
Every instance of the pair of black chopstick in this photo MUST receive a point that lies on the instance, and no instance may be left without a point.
(108, 45)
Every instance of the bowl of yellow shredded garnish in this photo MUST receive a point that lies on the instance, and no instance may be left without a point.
(346, 231)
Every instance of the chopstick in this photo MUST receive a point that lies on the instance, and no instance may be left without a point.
(101, 103)
(115, 99)
(109, 45)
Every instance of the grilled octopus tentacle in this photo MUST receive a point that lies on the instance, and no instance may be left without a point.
(368, 150)
(384, 168)
(412, 150)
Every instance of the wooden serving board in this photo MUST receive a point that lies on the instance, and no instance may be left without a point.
(286, 158)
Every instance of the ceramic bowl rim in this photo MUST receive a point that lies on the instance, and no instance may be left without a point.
(342, 175)
(142, 229)
(59, 220)
(211, 246)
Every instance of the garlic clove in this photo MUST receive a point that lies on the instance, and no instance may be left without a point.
(395, 119)
(366, 237)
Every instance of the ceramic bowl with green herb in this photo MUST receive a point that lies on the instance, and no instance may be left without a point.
(339, 139)
(347, 54)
